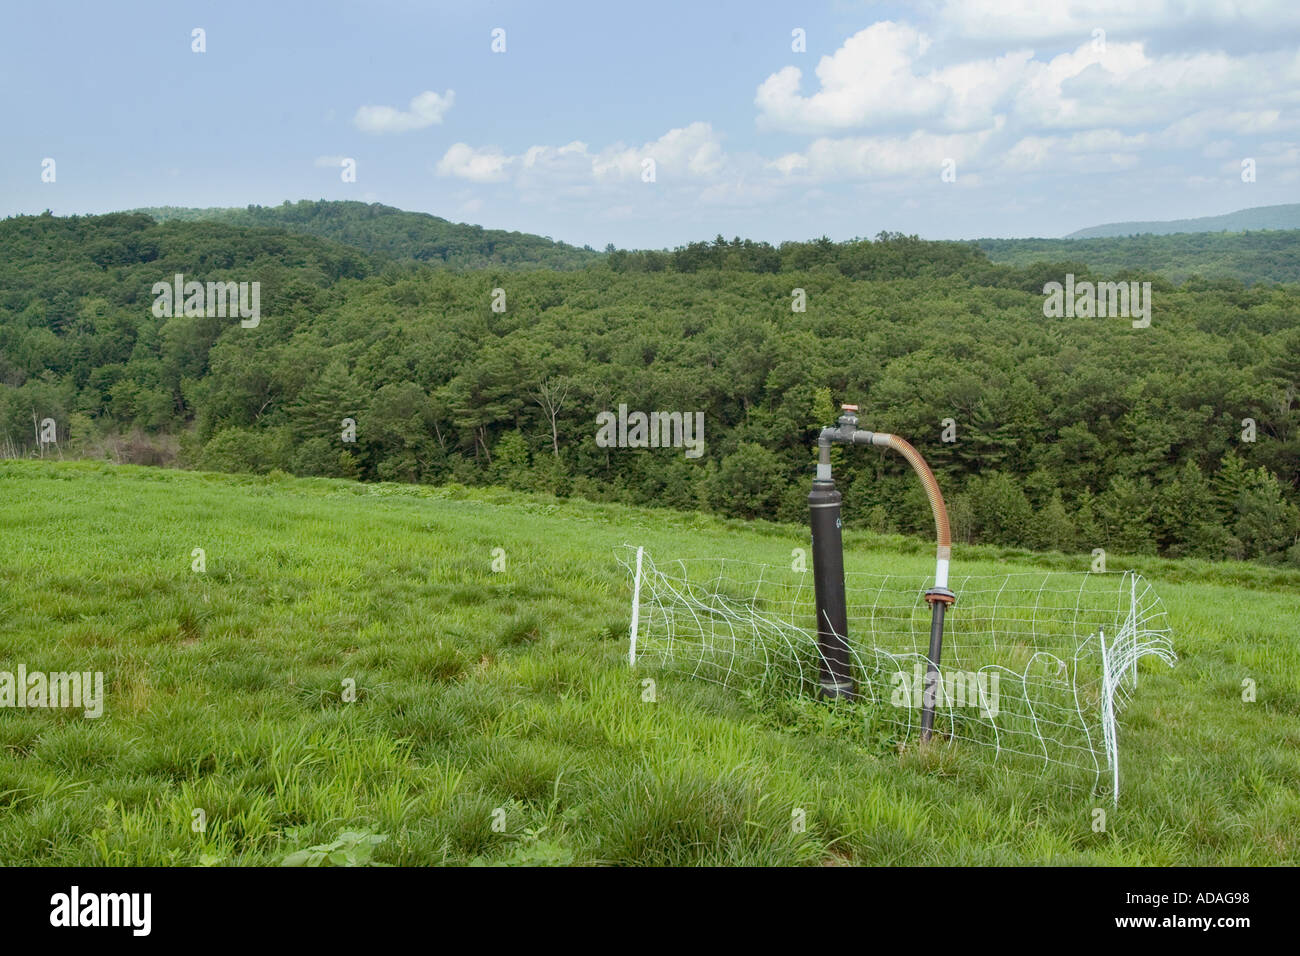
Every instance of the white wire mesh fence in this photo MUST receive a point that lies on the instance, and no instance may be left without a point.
(1035, 667)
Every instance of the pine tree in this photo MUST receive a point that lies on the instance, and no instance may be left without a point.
(1125, 510)
(510, 460)
(1231, 479)
(1051, 528)
(1186, 522)
(1001, 511)
(1087, 529)
(323, 403)
(1266, 523)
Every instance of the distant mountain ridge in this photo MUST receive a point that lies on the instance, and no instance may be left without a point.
(1286, 216)
(1258, 256)
(1262, 252)
(396, 234)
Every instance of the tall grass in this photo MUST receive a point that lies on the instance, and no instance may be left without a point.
(349, 661)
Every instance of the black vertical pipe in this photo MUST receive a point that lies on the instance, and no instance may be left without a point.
(828, 581)
(939, 599)
(932, 669)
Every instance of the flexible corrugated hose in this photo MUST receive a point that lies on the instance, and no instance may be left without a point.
(943, 532)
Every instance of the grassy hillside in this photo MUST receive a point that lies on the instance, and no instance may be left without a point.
(479, 691)
(396, 234)
(1286, 216)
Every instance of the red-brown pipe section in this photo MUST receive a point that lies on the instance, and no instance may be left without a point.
(941, 528)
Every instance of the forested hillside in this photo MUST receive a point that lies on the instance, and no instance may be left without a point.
(396, 234)
(1250, 257)
(1286, 216)
(1071, 434)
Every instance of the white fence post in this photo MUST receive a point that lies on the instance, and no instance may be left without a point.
(636, 609)
(1110, 732)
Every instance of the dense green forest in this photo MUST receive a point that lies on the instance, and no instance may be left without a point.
(1285, 216)
(396, 234)
(390, 234)
(1250, 257)
(1071, 434)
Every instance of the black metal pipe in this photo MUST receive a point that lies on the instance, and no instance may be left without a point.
(939, 599)
(932, 670)
(836, 672)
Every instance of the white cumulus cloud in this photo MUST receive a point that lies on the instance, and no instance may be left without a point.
(480, 165)
(886, 103)
(426, 109)
(689, 153)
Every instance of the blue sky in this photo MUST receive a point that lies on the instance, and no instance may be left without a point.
(1048, 125)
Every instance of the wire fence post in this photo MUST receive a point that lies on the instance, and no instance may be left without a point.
(636, 609)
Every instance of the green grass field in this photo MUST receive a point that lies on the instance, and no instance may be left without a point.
(496, 719)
